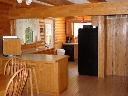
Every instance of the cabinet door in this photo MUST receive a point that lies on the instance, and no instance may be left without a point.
(76, 51)
(47, 76)
(9, 44)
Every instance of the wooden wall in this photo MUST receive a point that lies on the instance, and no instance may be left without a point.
(117, 45)
(59, 32)
(42, 31)
(114, 59)
(4, 22)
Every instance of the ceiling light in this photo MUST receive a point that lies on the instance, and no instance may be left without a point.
(28, 2)
(19, 1)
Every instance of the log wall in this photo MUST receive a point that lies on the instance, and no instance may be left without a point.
(59, 32)
(4, 22)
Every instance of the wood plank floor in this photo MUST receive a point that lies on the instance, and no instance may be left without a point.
(93, 86)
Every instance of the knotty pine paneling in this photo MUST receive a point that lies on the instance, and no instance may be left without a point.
(117, 38)
(4, 6)
(59, 32)
(4, 22)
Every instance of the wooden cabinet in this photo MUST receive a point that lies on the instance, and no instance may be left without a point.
(11, 46)
(51, 71)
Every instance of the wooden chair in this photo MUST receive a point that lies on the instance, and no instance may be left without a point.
(13, 64)
(16, 63)
(32, 79)
(15, 85)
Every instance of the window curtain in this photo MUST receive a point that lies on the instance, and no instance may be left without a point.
(22, 24)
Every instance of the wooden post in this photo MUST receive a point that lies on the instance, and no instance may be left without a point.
(101, 46)
(100, 22)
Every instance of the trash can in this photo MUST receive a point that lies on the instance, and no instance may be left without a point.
(60, 52)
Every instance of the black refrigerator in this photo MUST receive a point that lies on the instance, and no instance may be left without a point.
(88, 50)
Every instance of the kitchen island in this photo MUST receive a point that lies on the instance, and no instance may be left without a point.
(51, 72)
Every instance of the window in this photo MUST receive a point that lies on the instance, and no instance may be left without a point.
(49, 33)
(28, 30)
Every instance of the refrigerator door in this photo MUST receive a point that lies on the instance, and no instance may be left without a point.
(88, 51)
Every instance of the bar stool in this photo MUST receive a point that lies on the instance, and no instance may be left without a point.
(32, 79)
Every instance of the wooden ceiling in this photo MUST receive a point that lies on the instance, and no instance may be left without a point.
(38, 3)
(61, 8)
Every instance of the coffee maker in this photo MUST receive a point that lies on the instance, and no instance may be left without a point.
(68, 39)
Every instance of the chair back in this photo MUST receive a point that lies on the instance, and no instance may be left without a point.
(17, 83)
(13, 65)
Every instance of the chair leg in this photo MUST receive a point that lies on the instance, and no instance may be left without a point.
(31, 85)
(27, 86)
(35, 77)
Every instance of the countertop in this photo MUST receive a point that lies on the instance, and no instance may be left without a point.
(43, 57)
(39, 57)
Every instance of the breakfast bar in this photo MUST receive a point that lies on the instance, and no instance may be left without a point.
(51, 72)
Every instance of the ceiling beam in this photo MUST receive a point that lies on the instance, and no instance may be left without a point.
(15, 4)
(33, 4)
(56, 2)
(102, 8)
(66, 2)
(95, 1)
(52, 2)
